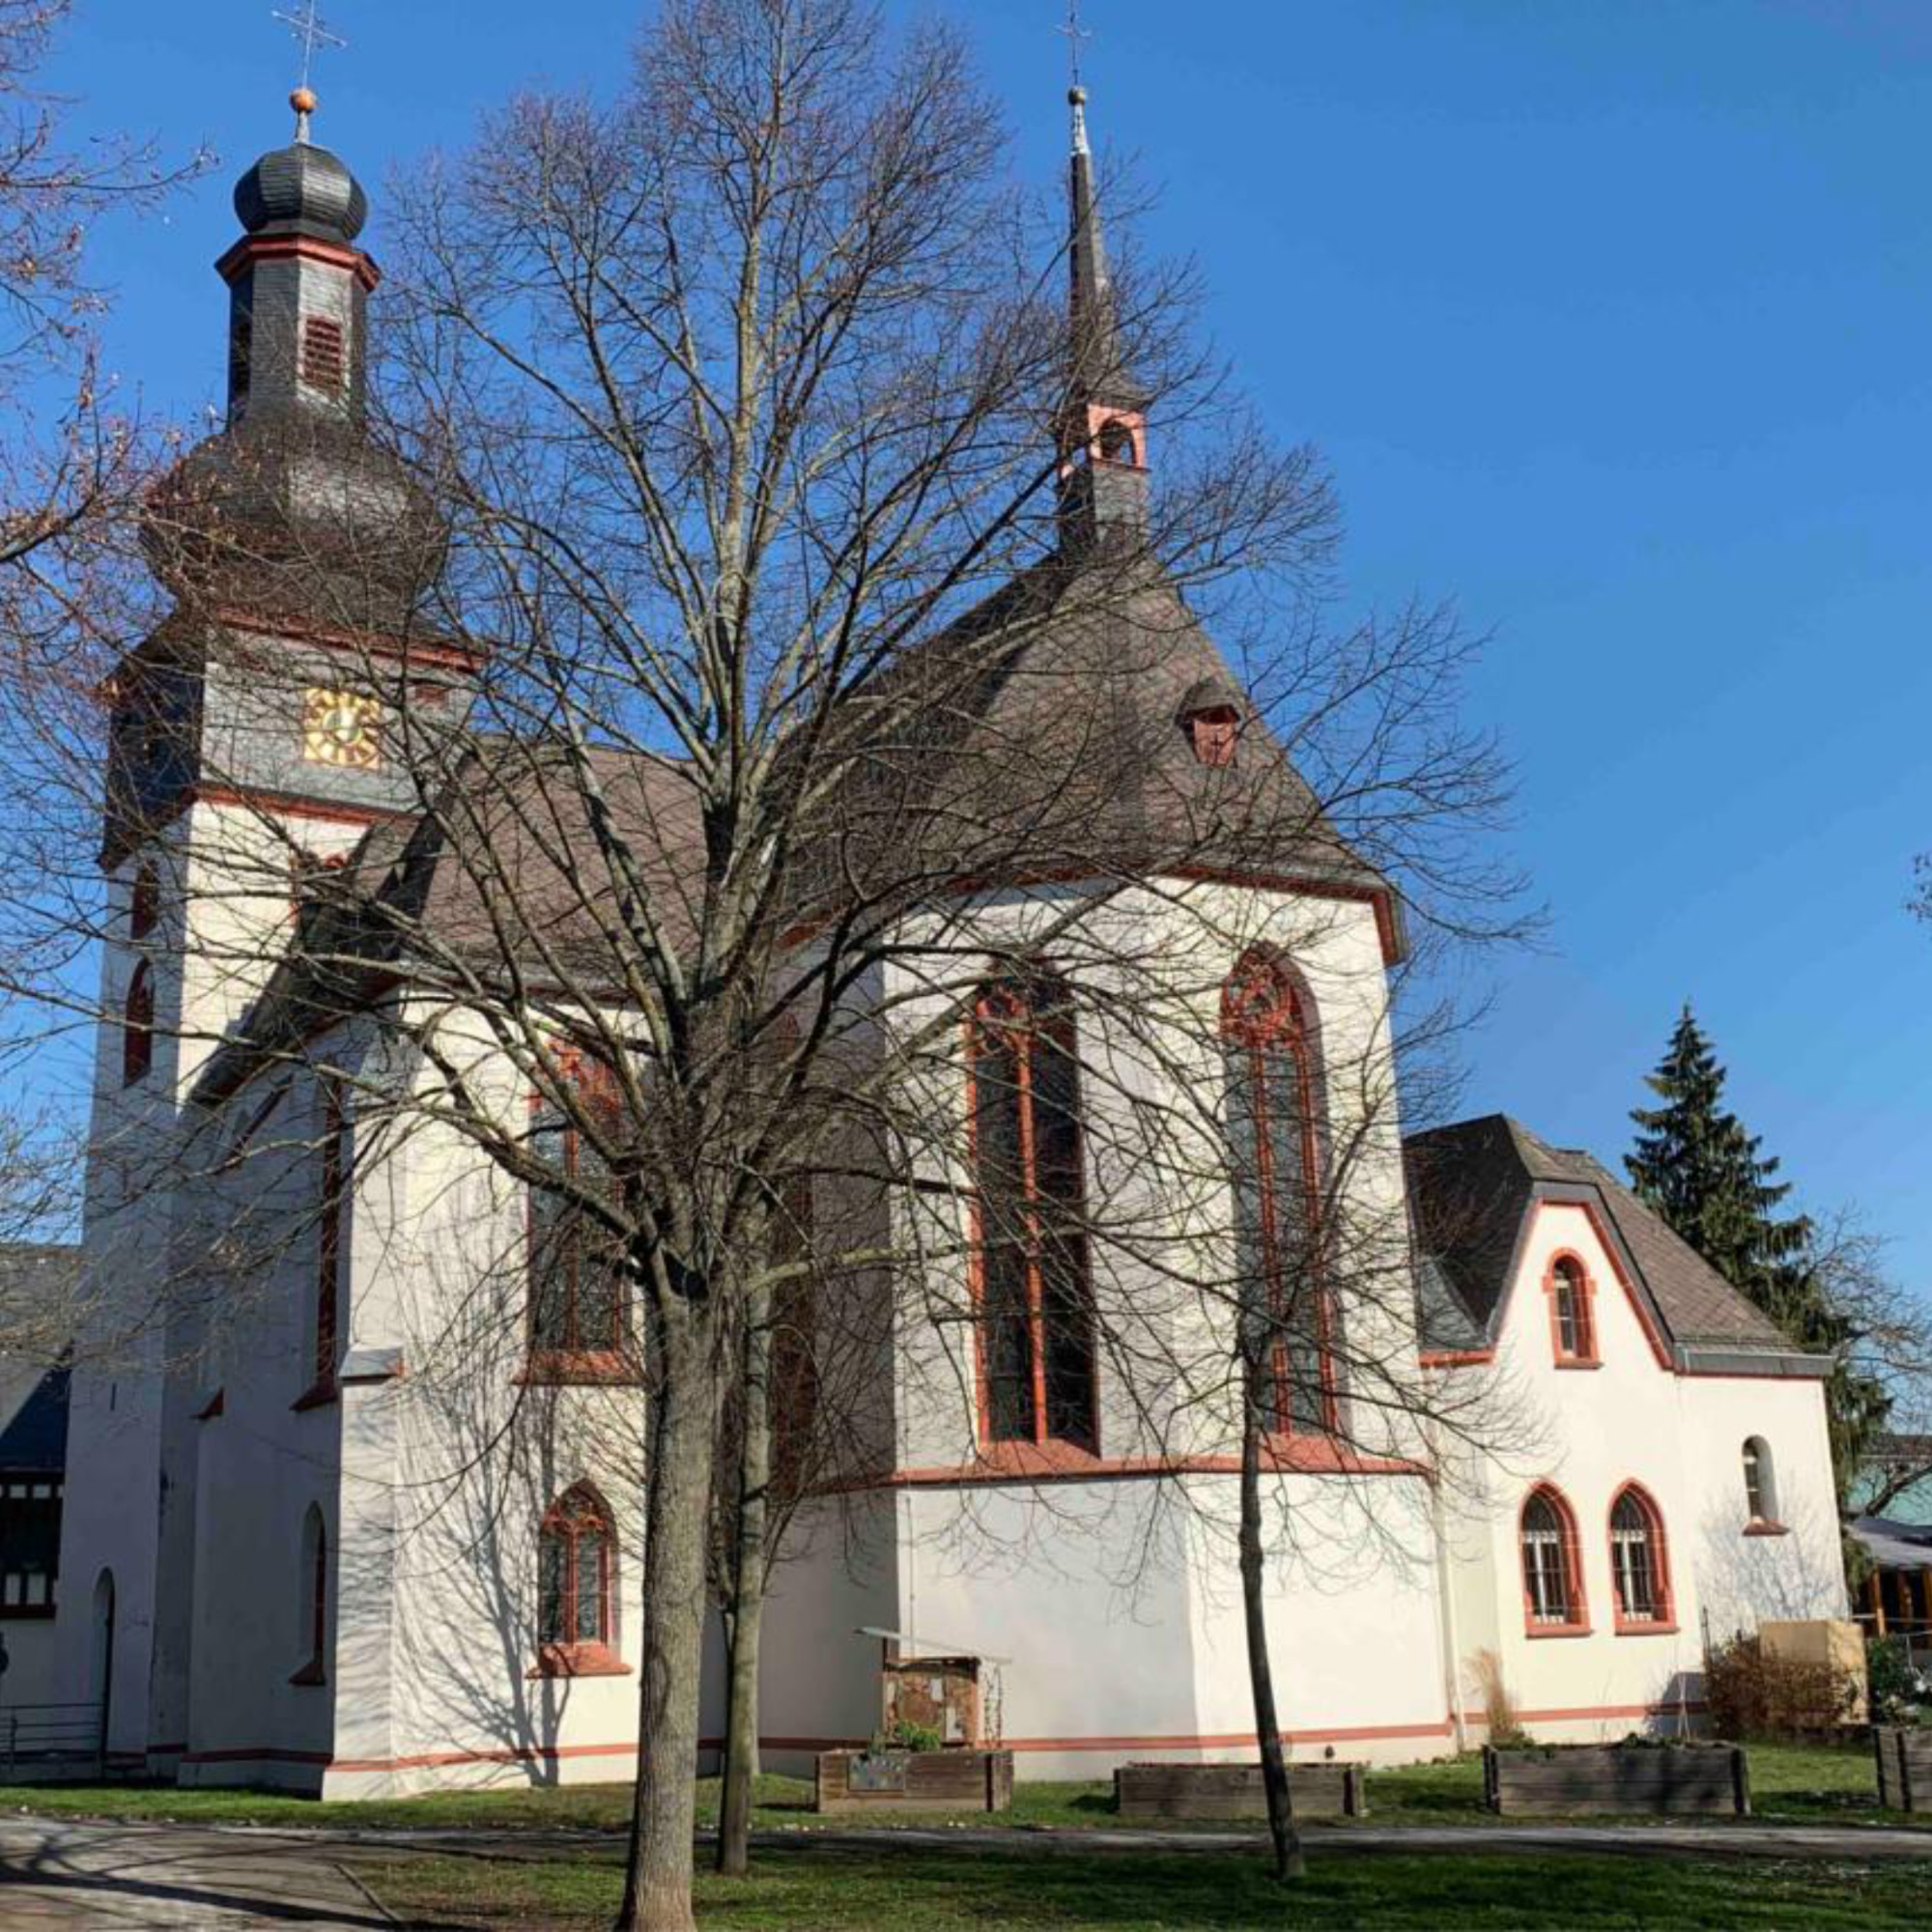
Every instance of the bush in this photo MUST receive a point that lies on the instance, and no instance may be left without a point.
(1901, 1694)
(907, 1736)
(1752, 1695)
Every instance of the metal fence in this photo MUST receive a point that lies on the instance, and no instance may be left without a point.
(45, 1739)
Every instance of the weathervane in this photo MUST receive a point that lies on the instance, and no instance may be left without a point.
(307, 27)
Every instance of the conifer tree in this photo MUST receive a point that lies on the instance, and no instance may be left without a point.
(1696, 1166)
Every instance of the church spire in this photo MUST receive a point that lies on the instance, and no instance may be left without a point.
(1103, 474)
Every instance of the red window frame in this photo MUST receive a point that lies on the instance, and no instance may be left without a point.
(1537, 1622)
(1567, 1266)
(1662, 1616)
(1214, 735)
(575, 1357)
(1011, 1018)
(138, 1025)
(565, 1647)
(1264, 1017)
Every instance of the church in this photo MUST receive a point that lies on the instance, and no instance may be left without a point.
(267, 1574)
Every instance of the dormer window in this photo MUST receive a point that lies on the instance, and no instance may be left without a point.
(1210, 714)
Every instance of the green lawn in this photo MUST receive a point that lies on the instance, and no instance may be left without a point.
(1788, 1782)
(815, 1889)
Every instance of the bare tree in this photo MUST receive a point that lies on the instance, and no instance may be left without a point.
(790, 686)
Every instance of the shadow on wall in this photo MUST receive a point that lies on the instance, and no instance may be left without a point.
(1748, 1577)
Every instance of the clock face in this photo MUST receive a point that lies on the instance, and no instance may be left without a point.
(339, 727)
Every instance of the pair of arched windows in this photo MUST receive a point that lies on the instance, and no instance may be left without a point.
(1553, 1597)
(1030, 1227)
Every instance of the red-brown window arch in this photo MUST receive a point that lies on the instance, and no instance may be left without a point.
(1036, 1324)
(1639, 1562)
(1552, 1566)
(1275, 1135)
(138, 1025)
(1573, 1314)
(576, 1576)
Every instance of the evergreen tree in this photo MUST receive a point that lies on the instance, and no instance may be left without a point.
(1696, 1165)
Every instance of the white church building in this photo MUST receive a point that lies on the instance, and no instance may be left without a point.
(266, 1575)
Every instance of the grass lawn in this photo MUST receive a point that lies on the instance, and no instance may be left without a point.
(817, 1887)
(1792, 1783)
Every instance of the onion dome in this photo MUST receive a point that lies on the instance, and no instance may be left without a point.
(301, 190)
(292, 513)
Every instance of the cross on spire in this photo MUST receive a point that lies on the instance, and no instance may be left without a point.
(1075, 33)
(310, 31)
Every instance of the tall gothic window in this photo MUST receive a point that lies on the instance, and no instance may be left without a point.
(138, 1025)
(1553, 1573)
(1030, 1221)
(1640, 1565)
(30, 1529)
(574, 1571)
(577, 1283)
(1274, 1134)
(328, 1255)
(1760, 1481)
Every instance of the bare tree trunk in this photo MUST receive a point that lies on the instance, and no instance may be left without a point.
(657, 1876)
(750, 1521)
(1289, 1862)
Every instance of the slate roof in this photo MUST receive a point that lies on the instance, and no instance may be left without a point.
(36, 1275)
(1471, 1189)
(1894, 1544)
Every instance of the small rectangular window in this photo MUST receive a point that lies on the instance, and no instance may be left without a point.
(30, 1525)
(324, 360)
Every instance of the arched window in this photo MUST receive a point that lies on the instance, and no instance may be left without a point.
(312, 1602)
(1274, 1133)
(1760, 1483)
(1573, 1324)
(575, 1575)
(1553, 1571)
(138, 1025)
(1029, 1214)
(577, 1277)
(144, 904)
(1118, 442)
(1639, 1562)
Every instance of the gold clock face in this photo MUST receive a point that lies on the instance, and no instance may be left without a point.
(339, 727)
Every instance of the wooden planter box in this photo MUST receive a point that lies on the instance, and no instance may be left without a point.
(1904, 1766)
(1236, 1791)
(938, 1780)
(1565, 1780)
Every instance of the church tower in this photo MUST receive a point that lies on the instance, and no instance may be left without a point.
(255, 736)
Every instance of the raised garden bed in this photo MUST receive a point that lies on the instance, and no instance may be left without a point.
(1904, 1766)
(1558, 1781)
(1236, 1791)
(914, 1781)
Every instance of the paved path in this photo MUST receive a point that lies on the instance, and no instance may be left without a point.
(117, 1878)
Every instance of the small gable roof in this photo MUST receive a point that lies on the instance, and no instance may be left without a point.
(1474, 1188)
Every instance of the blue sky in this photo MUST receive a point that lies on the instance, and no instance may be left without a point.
(1613, 324)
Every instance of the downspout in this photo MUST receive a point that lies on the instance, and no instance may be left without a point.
(1452, 1642)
